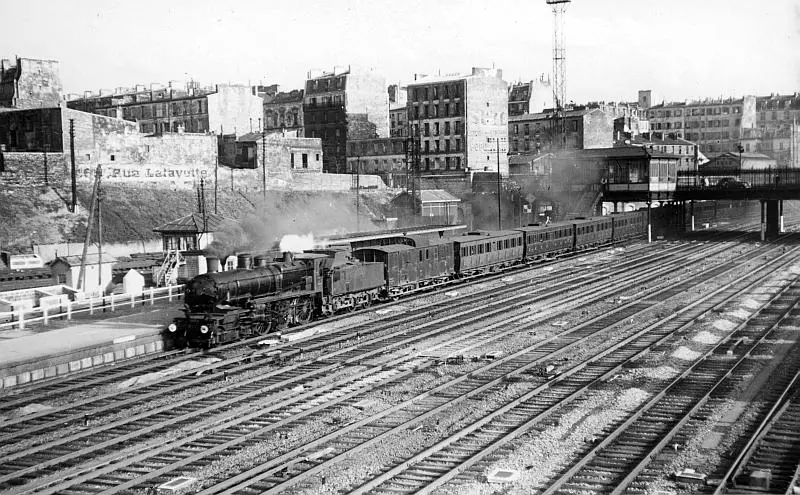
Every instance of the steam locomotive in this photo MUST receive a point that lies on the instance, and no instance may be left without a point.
(250, 301)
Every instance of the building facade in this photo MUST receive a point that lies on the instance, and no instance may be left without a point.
(530, 97)
(281, 156)
(460, 122)
(343, 105)
(284, 111)
(29, 83)
(688, 152)
(385, 157)
(716, 125)
(220, 109)
(398, 115)
(586, 128)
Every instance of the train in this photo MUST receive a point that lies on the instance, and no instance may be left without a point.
(263, 299)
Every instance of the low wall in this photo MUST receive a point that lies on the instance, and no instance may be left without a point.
(84, 359)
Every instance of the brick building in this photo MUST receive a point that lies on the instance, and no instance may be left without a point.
(530, 97)
(343, 105)
(385, 157)
(459, 120)
(29, 83)
(284, 111)
(688, 152)
(586, 128)
(716, 125)
(220, 109)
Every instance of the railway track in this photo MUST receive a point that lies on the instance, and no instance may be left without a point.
(772, 451)
(421, 407)
(612, 465)
(85, 386)
(94, 404)
(32, 463)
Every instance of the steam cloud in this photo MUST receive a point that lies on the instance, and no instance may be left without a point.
(297, 243)
(283, 213)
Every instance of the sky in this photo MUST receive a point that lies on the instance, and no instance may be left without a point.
(681, 49)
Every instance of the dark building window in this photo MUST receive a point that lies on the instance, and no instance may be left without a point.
(305, 160)
(291, 159)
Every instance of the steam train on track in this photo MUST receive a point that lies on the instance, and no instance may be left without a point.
(251, 301)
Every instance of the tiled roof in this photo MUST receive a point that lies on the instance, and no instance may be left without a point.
(193, 223)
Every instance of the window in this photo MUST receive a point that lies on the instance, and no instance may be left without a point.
(480, 248)
(435, 111)
(505, 242)
(291, 159)
(436, 129)
(516, 128)
(447, 126)
(527, 129)
(317, 156)
(305, 160)
(112, 158)
(447, 145)
(488, 247)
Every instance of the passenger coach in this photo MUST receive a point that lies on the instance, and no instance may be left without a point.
(481, 252)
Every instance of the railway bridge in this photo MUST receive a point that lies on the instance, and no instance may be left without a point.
(658, 180)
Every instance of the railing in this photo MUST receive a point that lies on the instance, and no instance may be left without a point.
(769, 178)
(20, 318)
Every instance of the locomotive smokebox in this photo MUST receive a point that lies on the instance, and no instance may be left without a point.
(261, 260)
(213, 264)
(288, 256)
(244, 261)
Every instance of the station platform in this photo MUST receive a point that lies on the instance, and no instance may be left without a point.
(48, 351)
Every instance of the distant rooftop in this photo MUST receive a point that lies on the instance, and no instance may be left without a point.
(194, 223)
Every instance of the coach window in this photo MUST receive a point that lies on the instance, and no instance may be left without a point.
(427, 255)
(480, 248)
(506, 243)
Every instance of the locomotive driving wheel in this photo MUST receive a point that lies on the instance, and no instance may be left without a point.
(302, 310)
(261, 327)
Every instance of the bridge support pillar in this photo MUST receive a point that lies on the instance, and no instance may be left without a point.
(649, 224)
(773, 220)
(691, 212)
(780, 206)
(762, 207)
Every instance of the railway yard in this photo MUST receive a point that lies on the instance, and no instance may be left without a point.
(662, 368)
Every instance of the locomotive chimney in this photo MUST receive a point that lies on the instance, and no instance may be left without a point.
(244, 261)
(288, 256)
(213, 264)
(261, 260)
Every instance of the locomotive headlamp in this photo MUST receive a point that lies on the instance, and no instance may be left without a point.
(172, 327)
(203, 329)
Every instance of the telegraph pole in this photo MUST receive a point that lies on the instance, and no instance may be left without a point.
(264, 163)
(72, 163)
(499, 216)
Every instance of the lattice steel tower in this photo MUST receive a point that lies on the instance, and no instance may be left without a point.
(559, 69)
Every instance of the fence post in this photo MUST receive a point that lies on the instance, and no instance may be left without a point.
(91, 306)
(69, 309)
(152, 301)
(169, 292)
(21, 319)
(132, 300)
(45, 314)
(112, 303)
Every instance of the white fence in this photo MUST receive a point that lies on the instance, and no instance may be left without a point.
(19, 318)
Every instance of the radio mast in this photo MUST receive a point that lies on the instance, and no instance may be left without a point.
(559, 71)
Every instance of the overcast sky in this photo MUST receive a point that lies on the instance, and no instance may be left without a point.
(679, 48)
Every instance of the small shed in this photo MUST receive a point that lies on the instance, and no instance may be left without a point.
(98, 271)
(190, 233)
(133, 282)
(436, 206)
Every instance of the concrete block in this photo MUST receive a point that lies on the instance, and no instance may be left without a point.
(24, 377)
(62, 369)
(10, 381)
(86, 363)
(108, 357)
(74, 365)
(130, 352)
(140, 349)
(50, 372)
(150, 347)
(159, 345)
(119, 354)
(37, 374)
(97, 360)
